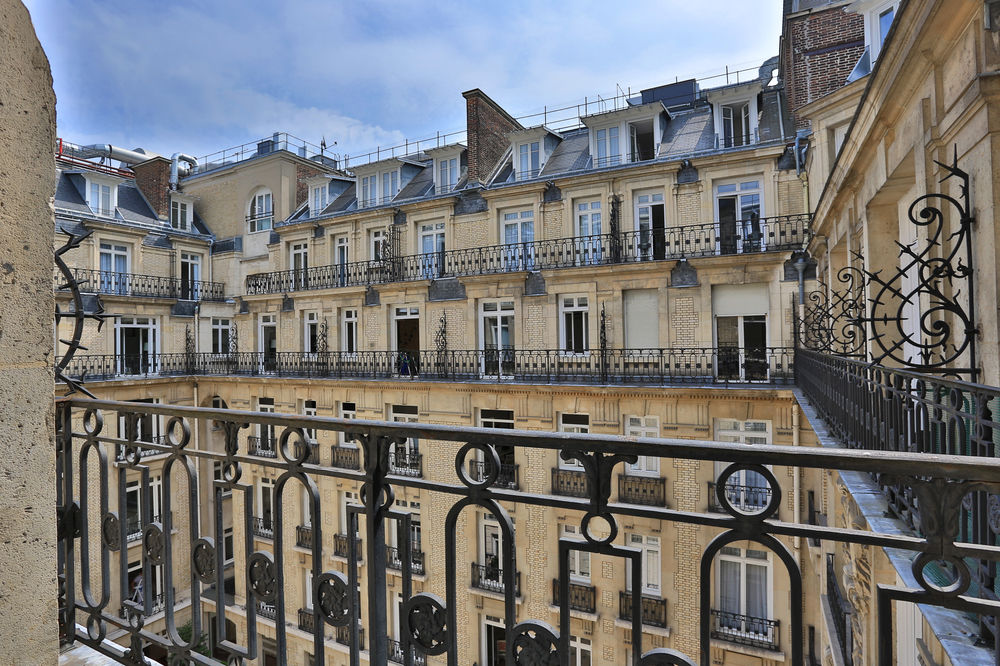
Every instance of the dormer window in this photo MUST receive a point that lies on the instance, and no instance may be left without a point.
(319, 198)
(260, 212)
(878, 15)
(369, 191)
(735, 125)
(102, 196)
(608, 150)
(528, 159)
(736, 111)
(390, 185)
(181, 212)
(447, 174)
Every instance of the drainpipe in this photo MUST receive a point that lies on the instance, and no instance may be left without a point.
(796, 480)
(175, 167)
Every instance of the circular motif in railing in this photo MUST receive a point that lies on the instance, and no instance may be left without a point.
(110, 531)
(753, 500)
(96, 628)
(961, 578)
(332, 595)
(296, 452)
(136, 618)
(231, 471)
(426, 622)
(535, 643)
(588, 529)
(175, 440)
(490, 465)
(665, 657)
(261, 576)
(203, 556)
(130, 454)
(388, 495)
(93, 422)
(153, 542)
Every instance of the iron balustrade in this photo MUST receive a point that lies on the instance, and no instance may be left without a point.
(143, 452)
(136, 285)
(406, 463)
(393, 561)
(344, 636)
(134, 525)
(653, 609)
(507, 477)
(582, 597)
(263, 527)
(650, 490)
(747, 498)
(700, 366)
(261, 446)
(491, 578)
(307, 620)
(303, 536)
(260, 222)
(781, 233)
(840, 609)
(157, 606)
(570, 482)
(92, 497)
(397, 652)
(345, 457)
(759, 632)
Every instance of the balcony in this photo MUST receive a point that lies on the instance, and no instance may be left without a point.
(581, 598)
(746, 630)
(342, 544)
(698, 366)
(266, 610)
(133, 527)
(345, 457)
(396, 654)
(344, 636)
(654, 609)
(751, 236)
(491, 578)
(406, 463)
(135, 285)
(840, 609)
(304, 536)
(263, 527)
(746, 498)
(395, 562)
(157, 605)
(869, 408)
(307, 620)
(507, 477)
(143, 452)
(650, 490)
(262, 447)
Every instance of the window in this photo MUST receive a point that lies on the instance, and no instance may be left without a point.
(310, 333)
(347, 498)
(369, 191)
(878, 20)
(528, 160)
(319, 198)
(299, 264)
(573, 423)
(221, 336)
(136, 345)
(348, 410)
(349, 331)
(496, 331)
(736, 130)
(390, 185)
(378, 244)
(447, 174)
(650, 547)
(265, 502)
(744, 591)
(138, 587)
(589, 243)
(102, 198)
(579, 651)
(341, 258)
(746, 490)
(574, 317)
(740, 228)
(190, 276)
(179, 215)
(265, 432)
(650, 239)
(217, 475)
(432, 249)
(579, 561)
(517, 230)
(113, 278)
(406, 454)
(643, 426)
(608, 151)
(227, 545)
(260, 213)
(309, 409)
(642, 318)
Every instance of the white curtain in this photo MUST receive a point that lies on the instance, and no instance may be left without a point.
(729, 587)
(757, 595)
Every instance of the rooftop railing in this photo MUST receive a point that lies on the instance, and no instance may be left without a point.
(90, 501)
(144, 286)
(729, 237)
(699, 366)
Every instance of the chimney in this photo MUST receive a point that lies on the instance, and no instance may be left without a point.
(152, 177)
(487, 126)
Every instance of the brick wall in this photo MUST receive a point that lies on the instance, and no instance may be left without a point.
(487, 126)
(152, 177)
(684, 322)
(301, 188)
(819, 50)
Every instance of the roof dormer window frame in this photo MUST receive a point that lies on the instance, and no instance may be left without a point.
(319, 194)
(102, 194)
(735, 114)
(181, 212)
(389, 182)
(878, 21)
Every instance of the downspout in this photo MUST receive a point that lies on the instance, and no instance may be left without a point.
(796, 480)
(175, 161)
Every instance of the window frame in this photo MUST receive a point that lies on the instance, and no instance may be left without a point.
(568, 346)
(349, 331)
(180, 214)
(218, 331)
(744, 560)
(646, 546)
(649, 426)
(259, 222)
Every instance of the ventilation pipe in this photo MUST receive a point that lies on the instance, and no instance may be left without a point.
(129, 157)
(176, 170)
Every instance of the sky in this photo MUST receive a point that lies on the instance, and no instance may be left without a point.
(197, 77)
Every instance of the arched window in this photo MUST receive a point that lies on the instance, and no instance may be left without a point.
(260, 211)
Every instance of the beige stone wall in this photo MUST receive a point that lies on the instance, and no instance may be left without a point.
(28, 616)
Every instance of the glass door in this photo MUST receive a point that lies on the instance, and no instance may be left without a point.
(518, 234)
(497, 333)
(190, 276)
(114, 269)
(268, 343)
(650, 238)
(432, 250)
(742, 347)
(589, 230)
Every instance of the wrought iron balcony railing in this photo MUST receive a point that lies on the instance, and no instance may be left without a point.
(393, 559)
(151, 286)
(133, 527)
(262, 447)
(766, 234)
(344, 636)
(650, 490)
(304, 536)
(157, 606)
(397, 653)
(840, 608)
(570, 482)
(747, 498)
(406, 463)
(491, 578)
(345, 457)
(507, 477)
(90, 503)
(756, 632)
(658, 367)
(581, 597)
(143, 452)
(654, 609)
(263, 527)
(266, 610)
(307, 620)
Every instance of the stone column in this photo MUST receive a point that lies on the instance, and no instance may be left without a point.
(28, 614)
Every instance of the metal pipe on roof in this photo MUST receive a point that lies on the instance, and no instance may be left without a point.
(175, 168)
(106, 150)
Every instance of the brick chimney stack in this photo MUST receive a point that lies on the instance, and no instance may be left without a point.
(487, 126)
(152, 177)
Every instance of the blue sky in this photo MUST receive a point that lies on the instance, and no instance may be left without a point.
(197, 77)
